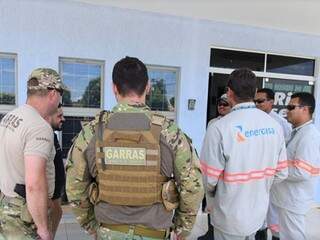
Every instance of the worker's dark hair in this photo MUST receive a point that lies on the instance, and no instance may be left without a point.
(243, 83)
(130, 76)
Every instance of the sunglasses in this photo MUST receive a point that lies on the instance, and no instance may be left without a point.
(259, 101)
(292, 107)
(59, 90)
(224, 104)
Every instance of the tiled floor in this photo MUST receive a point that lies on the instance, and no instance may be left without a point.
(70, 230)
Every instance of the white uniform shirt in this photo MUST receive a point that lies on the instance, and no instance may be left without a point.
(297, 191)
(242, 155)
(286, 127)
(213, 120)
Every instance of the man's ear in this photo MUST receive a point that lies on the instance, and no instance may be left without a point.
(51, 94)
(231, 97)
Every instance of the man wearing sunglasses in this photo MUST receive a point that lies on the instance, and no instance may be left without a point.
(56, 121)
(26, 160)
(293, 197)
(264, 100)
(223, 109)
(242, 156)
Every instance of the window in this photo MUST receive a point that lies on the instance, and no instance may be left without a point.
(290, 65)
(284, 74)
(163, 94)
(84, 79)
(236, 59)
(70, 128)
(7, 80)
(283, 89)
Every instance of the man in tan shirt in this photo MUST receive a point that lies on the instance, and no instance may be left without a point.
(26, 160)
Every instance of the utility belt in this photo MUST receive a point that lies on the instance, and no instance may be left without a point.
(20, 203)
(137, 230)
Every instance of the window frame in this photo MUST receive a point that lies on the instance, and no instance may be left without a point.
(4, 108)
(266, 75)
(87, 111)
(171, 115)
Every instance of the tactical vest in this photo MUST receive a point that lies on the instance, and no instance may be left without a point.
(128, 162)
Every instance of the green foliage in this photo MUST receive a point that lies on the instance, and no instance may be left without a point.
(91, 96)
(157, 99)
(66, 98)
(6, 98)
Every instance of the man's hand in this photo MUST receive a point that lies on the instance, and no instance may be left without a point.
(44, 234)
(93, 233)
(177, 236)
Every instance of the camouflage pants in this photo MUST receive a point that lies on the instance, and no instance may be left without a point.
(107, 234)
(11, 226)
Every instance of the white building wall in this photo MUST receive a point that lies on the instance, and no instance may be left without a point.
(41, 31)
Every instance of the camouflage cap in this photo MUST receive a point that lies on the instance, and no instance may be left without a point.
(223, 97)
(47, 79)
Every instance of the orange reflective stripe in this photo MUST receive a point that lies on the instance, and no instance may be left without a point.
(282, 165)
(305, 166)
(210, 171)
(246, 177)
(241, 177)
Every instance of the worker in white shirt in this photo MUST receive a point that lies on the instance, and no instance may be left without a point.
(294, 196)
(223, 109)
(264, 100)
(242, 155)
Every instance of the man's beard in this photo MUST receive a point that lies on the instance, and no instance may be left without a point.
(57, 128)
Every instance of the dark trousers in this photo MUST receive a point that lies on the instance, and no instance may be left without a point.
(209, 234)
(261, 235)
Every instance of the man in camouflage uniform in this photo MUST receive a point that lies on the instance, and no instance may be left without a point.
(26, 160)
(88, 167)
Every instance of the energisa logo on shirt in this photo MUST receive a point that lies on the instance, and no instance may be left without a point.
(243, 134)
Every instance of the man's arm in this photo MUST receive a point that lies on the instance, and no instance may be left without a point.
(37, 193)
(188, 175)
(305, 163)
(282, 167)
(212, 160)
(79, 179)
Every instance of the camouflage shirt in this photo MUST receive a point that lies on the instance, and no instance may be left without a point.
(186, 169)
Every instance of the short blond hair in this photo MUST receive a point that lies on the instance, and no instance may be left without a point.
(41, 92)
